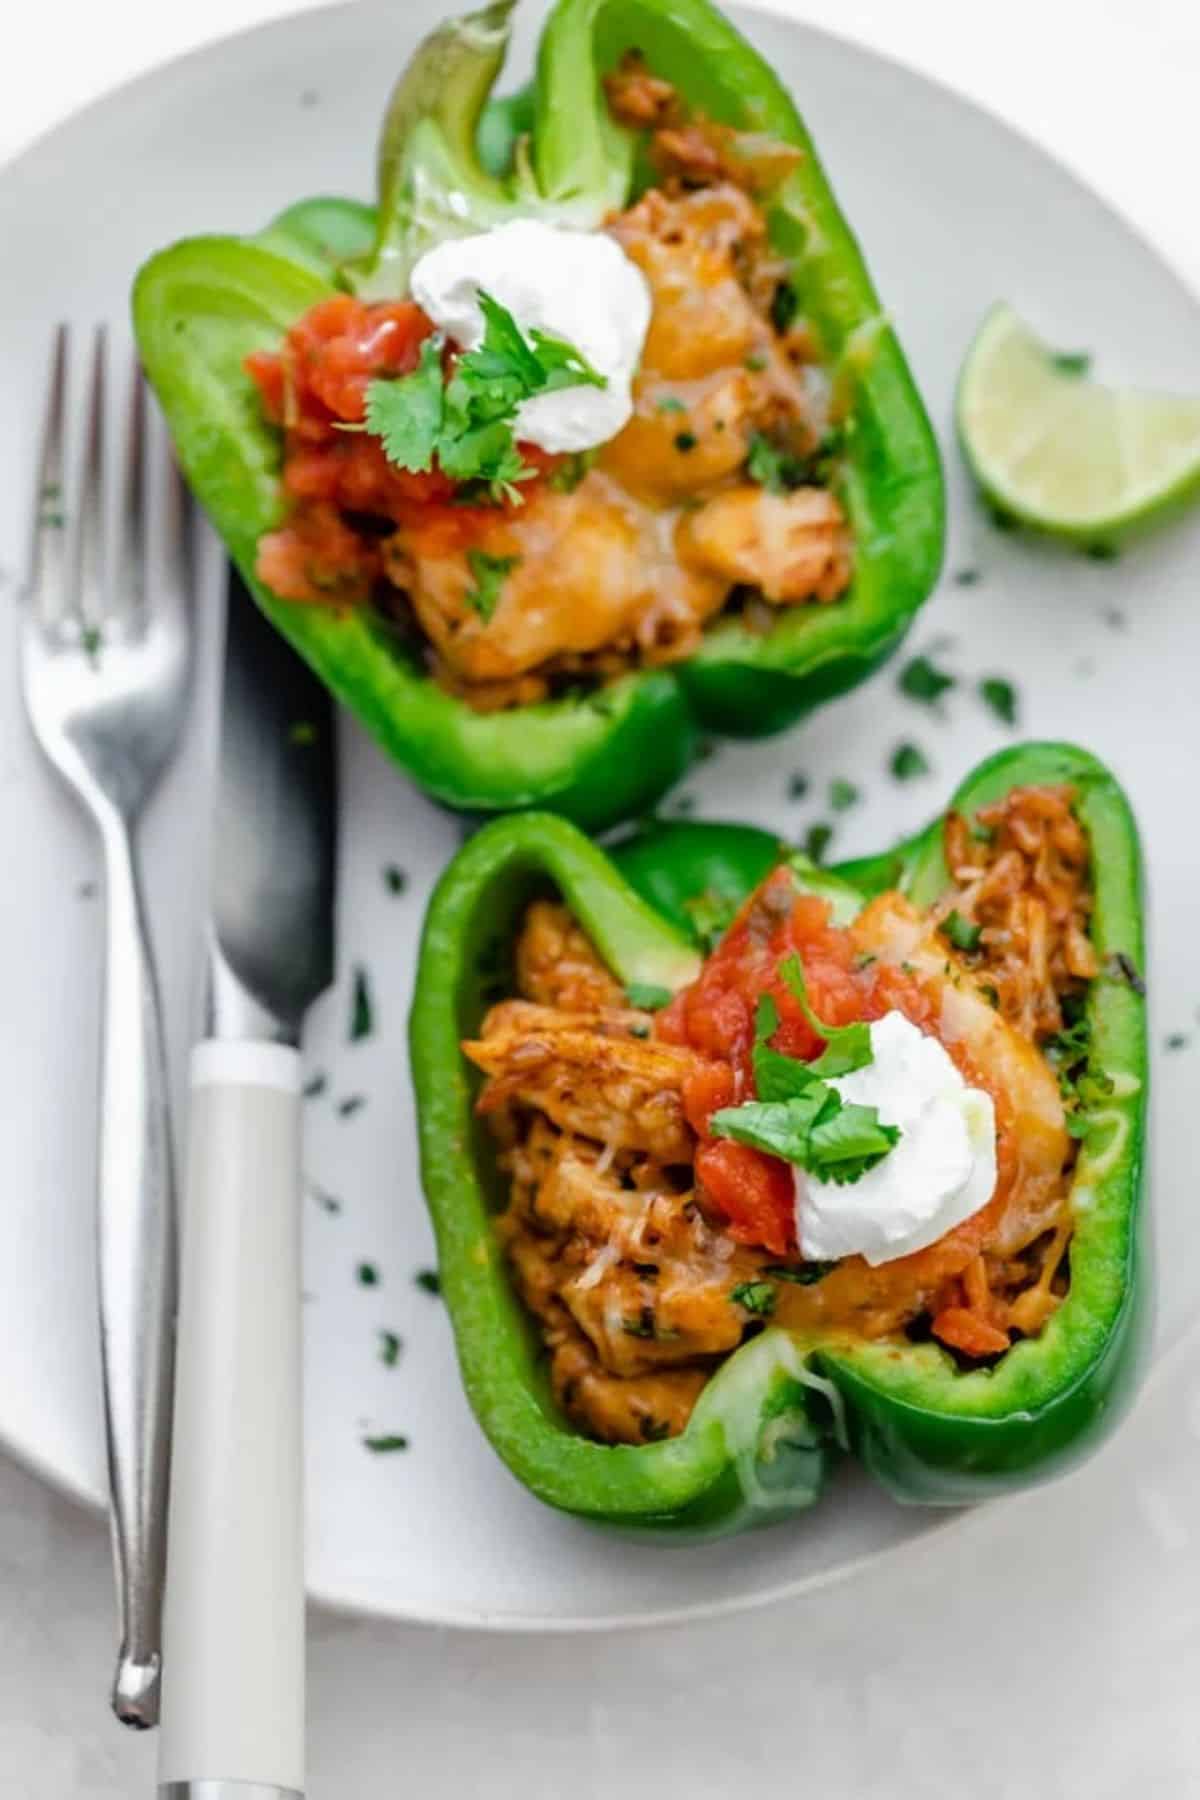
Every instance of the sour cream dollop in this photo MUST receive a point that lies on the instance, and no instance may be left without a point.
(575, 285)
(942, 1170)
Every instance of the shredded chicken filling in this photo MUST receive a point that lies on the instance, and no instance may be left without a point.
(638, 1281)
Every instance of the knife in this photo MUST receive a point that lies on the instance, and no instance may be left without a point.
(233, 1632)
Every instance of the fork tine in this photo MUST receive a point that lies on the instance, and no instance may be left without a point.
(88, 535)
(168, 535)
(128, 588)
(47, 556)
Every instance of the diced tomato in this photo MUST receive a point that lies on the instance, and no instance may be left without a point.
(716, 1016)
(315, 387)
(316, 557)
(755, 1192)
(713, 1086)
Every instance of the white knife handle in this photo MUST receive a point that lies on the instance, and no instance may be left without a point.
(233, 1628)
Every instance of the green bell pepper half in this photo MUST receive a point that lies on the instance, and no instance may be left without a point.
(760, 1442)
(451, 160)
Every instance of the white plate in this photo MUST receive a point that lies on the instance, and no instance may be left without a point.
(956, 211)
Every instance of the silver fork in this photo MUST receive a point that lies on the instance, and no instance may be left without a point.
(105, 655)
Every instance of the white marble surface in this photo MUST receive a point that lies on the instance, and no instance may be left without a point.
(1051, 1646)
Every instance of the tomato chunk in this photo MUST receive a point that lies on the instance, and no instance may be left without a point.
(755, 1193)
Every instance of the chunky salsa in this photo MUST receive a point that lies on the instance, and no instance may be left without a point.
(647, 1248)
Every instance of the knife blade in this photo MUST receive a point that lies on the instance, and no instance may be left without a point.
(233, 1640)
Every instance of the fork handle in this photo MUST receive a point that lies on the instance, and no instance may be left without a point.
(233, 1690)
(135, 1232)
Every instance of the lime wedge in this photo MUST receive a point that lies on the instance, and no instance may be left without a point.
(1063, 454)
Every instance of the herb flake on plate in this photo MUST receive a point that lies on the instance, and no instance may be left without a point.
(362, 1010)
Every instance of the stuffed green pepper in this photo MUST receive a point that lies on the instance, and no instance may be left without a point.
(590, 436)
(736, 1163)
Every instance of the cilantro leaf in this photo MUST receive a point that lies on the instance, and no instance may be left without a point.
(711, 914)
(816, 1131)
(775, 469)
(504, 353)
(780, 1128)
(961, 932)
(785, 304)
(646, 997)
(798, 1116)
(1071, 362)
(406, 413)
(566, 477)
(562, 365)
(467, 423)
(908, 761)
(847, 1047)
(756, 1297)
(922, 680)
(805, 1274)
(850, 1141)
(817, 840)
(1001, 697)
(489, 574)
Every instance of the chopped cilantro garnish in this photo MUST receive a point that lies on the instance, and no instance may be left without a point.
(1082, 1083)
(798, 786)
(489, 574)
(387, 1440)
(1071, 362)
(922, 680)
(646, 997)
(367, 1274)
(842, 794)
(711, 914)
(389, 1349)
(316, 1084)
(833, 1141)
(1001, 696)
(908, 761)
(967, 577)
(798, 1116)
(670, 403)
(803, 1274)
(785, 304)
(350, 1105)
(847, 1047)
(394, 878)
(428, 1280)
(817, 840)
(1175, 1040)
(961, 932)
(1102, 552)
(568, 474)
(466, 423)
(771, 467)
(362, 1012)
(757, 1297)
(755, 361)
(406, 413)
